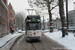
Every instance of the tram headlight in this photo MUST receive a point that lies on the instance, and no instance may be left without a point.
(37, 31)
(31, 31)
(37, 34)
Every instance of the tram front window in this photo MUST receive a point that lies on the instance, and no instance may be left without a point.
(33, 26)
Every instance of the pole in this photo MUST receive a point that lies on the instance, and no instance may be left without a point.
(67, 12)
(43, 23)
(29, 10)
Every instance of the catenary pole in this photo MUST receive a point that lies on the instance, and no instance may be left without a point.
(67, 13)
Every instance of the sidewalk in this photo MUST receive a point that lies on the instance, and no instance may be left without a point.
(8, 40)
(67, 41)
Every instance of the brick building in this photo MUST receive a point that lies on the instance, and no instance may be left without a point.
(11, 17)
(3, 18)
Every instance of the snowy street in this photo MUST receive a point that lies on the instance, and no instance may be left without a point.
(46, 42)
(67, 41)
(37, 24)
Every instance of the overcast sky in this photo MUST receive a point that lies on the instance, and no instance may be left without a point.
(21, 5)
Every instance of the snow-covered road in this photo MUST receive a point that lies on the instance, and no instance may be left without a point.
(67, 41)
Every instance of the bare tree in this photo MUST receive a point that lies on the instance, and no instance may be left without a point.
(45, 4)
(19, 20)
(62, 16)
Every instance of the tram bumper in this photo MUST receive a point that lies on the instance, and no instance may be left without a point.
(33, 38)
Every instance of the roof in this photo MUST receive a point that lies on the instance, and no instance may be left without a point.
(33, 17)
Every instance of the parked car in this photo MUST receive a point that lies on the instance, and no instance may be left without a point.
(19, 31)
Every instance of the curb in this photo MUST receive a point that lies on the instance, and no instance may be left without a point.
(10, 43)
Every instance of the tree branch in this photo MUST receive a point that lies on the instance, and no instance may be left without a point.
(54, 7)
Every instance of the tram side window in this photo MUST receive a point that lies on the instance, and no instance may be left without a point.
(27, 26)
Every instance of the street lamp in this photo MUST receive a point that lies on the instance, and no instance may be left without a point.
(67, 12)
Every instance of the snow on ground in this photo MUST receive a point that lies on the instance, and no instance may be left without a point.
(5, 39)
(45, 30)
(67, 41)
(49, 30)
(23, 31)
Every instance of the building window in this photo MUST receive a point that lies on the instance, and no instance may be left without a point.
(14, 21)
(10, 14)
(0, 17)
(0, 13)
(10, 8)
(10, 21)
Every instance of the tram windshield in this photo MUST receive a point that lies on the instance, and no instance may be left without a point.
(33, 26)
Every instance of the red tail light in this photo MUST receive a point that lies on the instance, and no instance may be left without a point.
(31, 31)
(37, 31)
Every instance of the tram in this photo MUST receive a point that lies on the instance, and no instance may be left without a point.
(33, 27)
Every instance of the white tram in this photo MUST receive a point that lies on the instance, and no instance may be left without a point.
(33, 27)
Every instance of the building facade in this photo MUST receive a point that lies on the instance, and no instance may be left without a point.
(57, 23)
(11, 17)
(45, 24)
(71, 18)
(3, 18)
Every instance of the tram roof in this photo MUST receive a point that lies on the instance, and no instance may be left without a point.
(33, 17)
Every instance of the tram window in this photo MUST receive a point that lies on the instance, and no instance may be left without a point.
(33, 26)
(27, 26)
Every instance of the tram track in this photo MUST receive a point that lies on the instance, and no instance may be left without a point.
(39, 46)
(33, 46)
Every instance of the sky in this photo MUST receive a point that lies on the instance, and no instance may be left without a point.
(70, 7)
(19, 5)
(22, 5)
